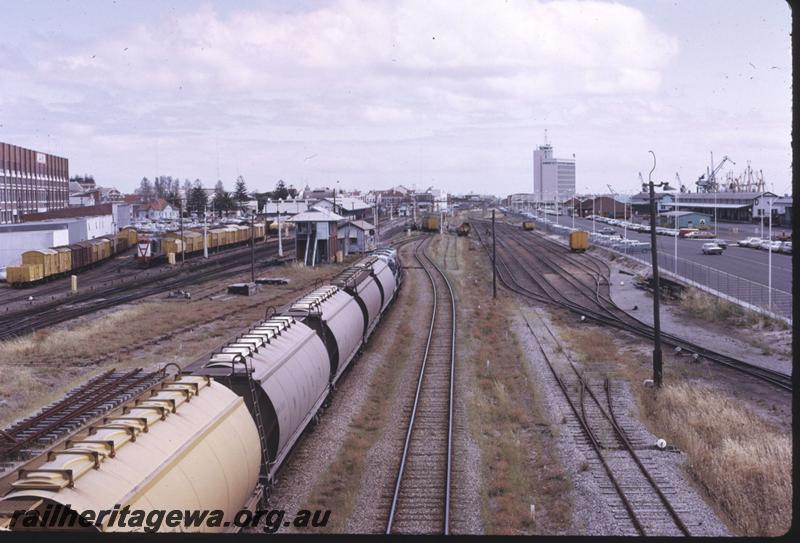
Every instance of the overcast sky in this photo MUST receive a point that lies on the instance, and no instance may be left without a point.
(453, 94)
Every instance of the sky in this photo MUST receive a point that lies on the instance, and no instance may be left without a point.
(454, 94)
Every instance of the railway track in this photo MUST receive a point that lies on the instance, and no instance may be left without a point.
(77, 408)
(546, 271)
(421, 499)
(636, 495)
(29, 320)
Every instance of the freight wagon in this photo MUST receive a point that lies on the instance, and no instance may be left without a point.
(578, 241)
(430, 223)
(528, 225)
(155, 248)
(45, 264)
(215, 439)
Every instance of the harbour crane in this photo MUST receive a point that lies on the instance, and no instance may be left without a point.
(708, 181)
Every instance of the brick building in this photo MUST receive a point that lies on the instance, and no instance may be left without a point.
(31, 182)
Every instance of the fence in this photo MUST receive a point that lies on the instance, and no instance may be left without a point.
(747, 293)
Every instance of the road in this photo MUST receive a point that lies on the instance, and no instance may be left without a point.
(750, 264)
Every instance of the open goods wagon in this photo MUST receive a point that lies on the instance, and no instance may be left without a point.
(40, 265)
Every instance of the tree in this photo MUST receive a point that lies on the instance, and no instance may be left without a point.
(224, 202)
(240, 192)
(187, 189)
(145, 190)
(198, 199)
(280, 190)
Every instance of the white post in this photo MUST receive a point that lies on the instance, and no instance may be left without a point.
(205, 233)
(675, 209)
(555, 202)
(280, 237)
(769, 266)
(624, 219)
(715, 213)
(573, 210)
(593, 221)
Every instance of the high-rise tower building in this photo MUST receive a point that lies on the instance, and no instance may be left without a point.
(552, 176)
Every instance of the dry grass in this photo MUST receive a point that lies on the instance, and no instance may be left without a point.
(590, 343)
(84, 341)
(742, 462)
(711, 308)
(338, 489)
(141, 335)
(507, 419)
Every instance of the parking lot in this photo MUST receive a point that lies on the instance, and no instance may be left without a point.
(740, 272)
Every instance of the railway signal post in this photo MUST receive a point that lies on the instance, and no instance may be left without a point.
(657, 356)
(494, 266)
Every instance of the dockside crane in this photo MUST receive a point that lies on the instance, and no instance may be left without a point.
(708, 181)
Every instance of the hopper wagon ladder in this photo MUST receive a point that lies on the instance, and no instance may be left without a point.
(263, 477)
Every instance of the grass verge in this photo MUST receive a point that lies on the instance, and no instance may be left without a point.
(507, 418)
(743, 462)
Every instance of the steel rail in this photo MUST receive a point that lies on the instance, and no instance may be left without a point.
(617, 317)
(406, 446)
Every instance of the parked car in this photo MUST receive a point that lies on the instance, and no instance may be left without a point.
(747, 241)
(755, 243)
(774, 245)
(711, 249)
(786, 247)
(607, 230)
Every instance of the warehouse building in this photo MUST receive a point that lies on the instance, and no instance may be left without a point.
(729, 206)
(686, 219)
(31, 182)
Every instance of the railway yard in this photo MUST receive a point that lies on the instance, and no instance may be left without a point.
(394, 391)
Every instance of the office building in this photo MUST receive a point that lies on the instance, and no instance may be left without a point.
(31, 182)
(552, 177)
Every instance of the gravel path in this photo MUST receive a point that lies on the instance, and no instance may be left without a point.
(710, 335)
(595, 505)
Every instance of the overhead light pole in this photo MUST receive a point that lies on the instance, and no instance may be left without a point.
(657, 356)
(280, 235)
(769, 265)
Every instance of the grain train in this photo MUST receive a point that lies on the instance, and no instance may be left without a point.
(156, 247)
(215, 438)
(44, 264)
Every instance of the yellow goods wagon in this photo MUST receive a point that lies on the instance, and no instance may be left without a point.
(528, 225)
(579, 240)
(194, 241)
(431, 223)
(215, 237)
(64, 259)
(26, 273)
(47, 258)
(172, 245)
(131, 234)
(260, 230)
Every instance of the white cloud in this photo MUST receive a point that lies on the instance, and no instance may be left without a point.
(511, 48)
